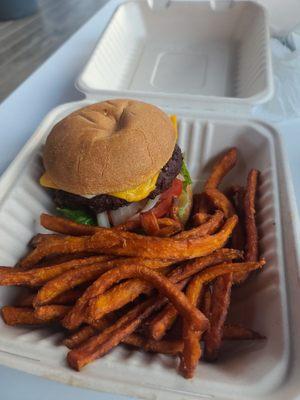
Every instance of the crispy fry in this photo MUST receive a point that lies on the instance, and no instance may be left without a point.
(200, 218)
(149, 223)
(251, 236)
(220, 202)
(162, 322)
(238, 332)
(66, 226)
(20, 316)
(206, 302)
(102, 343)
(220, 301)
(221, 168)
(171, 347)
(209, 227)
(134, 289)
(41, 238)
(251, 251)
(67, 298)
(168, 227)
(194, 316)
(130, 244)
(39, 276)
(191, 353)
(82, 274)
(51, 313)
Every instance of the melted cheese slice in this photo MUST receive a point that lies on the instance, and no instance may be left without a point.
(138, 193)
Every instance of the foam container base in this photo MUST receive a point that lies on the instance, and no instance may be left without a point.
(245, 370)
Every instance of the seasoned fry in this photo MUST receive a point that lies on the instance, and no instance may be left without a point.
(164, 286)
(149, 223)
(221, 168)
(220, 301)
(191, 353)
(251, 251)
(67, 298)
(82, 274)
(238, 332)
(220, 202)
(112, 242)
(51, 313)
(66, 226)
(209, 227)
(39, 276)
(200, 218)
(162, 322)
(251, 236)
(206, 302)
(168, 227)
(20, 316)
(41, 238)
(171, 347)
(102, 343)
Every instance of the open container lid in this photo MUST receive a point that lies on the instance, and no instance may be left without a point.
(209, 55)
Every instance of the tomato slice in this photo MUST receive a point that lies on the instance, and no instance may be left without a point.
(166, 199)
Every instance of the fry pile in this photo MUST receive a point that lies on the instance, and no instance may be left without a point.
(149, 283)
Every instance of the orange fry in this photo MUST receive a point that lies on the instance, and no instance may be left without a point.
(238, 332)
(221, 168)
(134, 289)
(191, 353)
(171, 347)
(133, 245)
(20, 316)
(82, 274)
(251, 251)
(220, 202)
(100, 344)
(220, 301)
(162, 322)
(40, 275)
(149, 223)
(51, 313)
(209, 227)
(164, 286)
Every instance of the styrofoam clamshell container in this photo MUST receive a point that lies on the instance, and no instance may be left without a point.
(261, 304)
(213, 53)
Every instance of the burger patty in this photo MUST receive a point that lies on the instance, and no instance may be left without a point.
(105, 202)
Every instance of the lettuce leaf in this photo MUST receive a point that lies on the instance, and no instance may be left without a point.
(79, 216)
(186, 175)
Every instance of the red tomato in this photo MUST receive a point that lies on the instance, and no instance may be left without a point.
(166, 199)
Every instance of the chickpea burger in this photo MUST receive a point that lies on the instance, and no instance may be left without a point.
(108, 162)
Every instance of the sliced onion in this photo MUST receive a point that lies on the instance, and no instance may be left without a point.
(103, 220)
(151, 203)
(125, 213)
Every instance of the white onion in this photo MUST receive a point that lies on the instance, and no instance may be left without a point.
(102, 219)
(151, 203)
(125, 213)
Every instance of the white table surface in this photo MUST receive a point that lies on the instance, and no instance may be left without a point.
(49, 86)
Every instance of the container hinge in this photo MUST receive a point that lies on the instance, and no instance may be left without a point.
(158, 5)
(220, 5)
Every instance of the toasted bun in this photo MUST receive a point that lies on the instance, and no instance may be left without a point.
(108, 147)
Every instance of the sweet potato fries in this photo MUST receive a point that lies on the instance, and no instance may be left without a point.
(150, 284)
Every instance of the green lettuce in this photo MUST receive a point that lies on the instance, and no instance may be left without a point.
(79, 216)
(186, 175)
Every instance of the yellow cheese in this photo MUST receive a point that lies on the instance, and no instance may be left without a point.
(46, 181)
(138, 193)
(173, 118)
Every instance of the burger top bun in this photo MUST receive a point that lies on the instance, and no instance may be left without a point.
(108, 147)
